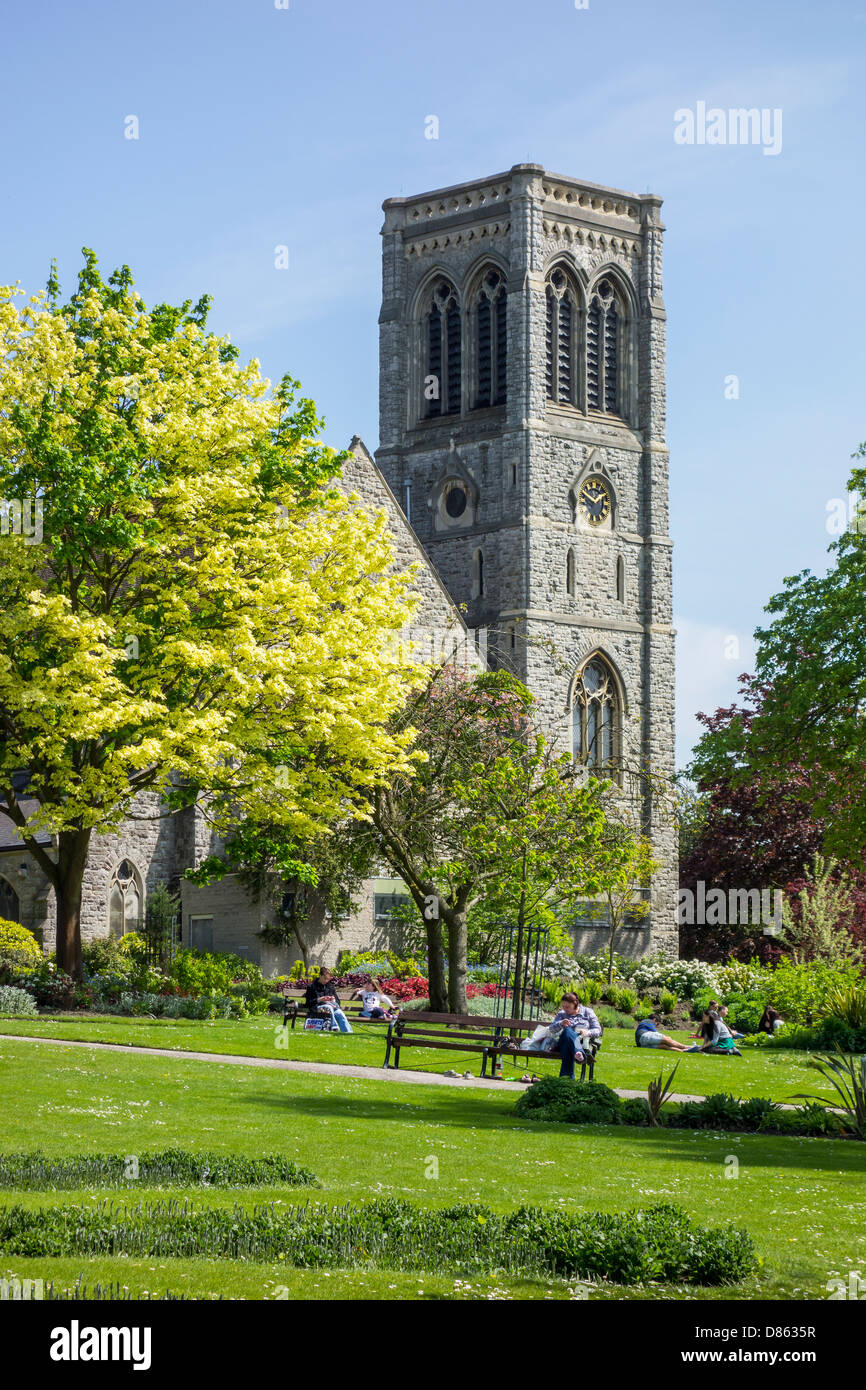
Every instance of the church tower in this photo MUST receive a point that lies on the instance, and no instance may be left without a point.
(522, 428)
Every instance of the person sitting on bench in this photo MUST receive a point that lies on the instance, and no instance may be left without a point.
(373, 1002)
(322, 996)
(648, 1034)
(572, 1028)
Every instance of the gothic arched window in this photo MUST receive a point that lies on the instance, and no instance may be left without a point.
(620, 579)
(491, 341)
(595, 716)
(124, 900)
(10, 908)
(479, 574)
(443, 333)
(604, 324)
(562, 318)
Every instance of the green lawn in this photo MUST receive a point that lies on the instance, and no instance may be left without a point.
(802, 1199)
(779, 1075)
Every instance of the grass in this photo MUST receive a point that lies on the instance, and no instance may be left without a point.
(778, 1075)
(802, 1199)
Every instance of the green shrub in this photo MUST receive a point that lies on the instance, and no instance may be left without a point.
(573, 1102)
(633, 1112)
(40, 1172)
(103, 957)
(744, 1010)
(197, 972)
(16, 1001)
(758, 1112)
(612, 1018)
(623, 1247)
(644, 1008)
(848, 1004)
(591, 990)
(14, 937)
(13, 962)
(667, 1001)
(800, 992)
(825, 1036)
(626, 999)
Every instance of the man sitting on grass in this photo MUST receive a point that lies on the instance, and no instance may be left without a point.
(648, 1034)
(570, 1031)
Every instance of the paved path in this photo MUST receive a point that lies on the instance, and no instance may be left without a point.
(413, 1078)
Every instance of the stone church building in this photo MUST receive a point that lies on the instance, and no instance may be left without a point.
(522, 461)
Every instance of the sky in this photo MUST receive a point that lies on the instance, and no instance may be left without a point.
(267, 123)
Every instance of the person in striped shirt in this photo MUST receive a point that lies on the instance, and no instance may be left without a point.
(570, 1032)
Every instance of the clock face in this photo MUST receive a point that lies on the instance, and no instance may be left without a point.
(594, 501)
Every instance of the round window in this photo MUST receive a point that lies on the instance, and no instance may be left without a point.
(455, 500)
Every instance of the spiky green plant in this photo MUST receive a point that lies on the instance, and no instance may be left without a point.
(657, 1092)
(847, 1075)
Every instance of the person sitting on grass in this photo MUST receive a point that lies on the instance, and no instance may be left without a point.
(648, 1034)
(373, 1001)
(570, 1032)
(718, 1034)
(321, 996)
(702, 1032)
(771, 1021)
(723, 1015)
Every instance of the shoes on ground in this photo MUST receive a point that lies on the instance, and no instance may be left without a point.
(450, 1073)
(467, 1076)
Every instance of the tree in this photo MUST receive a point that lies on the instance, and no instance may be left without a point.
(623, 900)
(487, 813)
(816, 921)
(811, 663)
(203, 613)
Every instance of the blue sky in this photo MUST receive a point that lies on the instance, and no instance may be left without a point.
(261, 127)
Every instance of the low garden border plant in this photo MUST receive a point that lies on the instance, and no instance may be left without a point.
(559, 1100)
(658, 1243)
(177, 1167)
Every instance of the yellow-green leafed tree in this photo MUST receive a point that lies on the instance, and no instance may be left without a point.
(189, 606)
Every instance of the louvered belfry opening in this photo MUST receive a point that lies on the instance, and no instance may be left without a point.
(561, 320)
(444, 347)
(492, 341)
(603, 349)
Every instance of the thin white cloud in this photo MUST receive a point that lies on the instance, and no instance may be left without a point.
(709, 662)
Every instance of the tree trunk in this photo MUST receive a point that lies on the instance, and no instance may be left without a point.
(457, 934)
(517, 992)
(436, 968)
(71, 862)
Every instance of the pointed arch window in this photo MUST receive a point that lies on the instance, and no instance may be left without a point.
(604, 325)
(595, 716)
(10, 907)
(562, 319)
(491, 366)
(125, 899)
(569, 573)
(479, 574)
(443, 336)
(620, 579)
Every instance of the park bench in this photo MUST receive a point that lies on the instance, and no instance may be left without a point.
(295, 1008)
(492, 1037)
